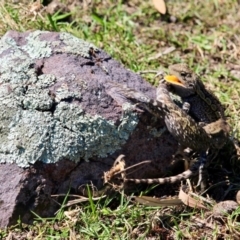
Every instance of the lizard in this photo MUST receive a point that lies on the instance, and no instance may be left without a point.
(200, 103)
(181, 125)
(217, 132)
(178, 122)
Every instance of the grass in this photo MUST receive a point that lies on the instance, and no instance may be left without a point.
(205, 35)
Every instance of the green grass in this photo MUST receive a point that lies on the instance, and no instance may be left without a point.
(205, 35)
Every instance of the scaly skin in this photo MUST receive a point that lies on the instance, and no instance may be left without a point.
(188, 133)
(182, 126)
(204, 106)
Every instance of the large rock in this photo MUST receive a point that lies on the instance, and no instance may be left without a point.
(58, 126)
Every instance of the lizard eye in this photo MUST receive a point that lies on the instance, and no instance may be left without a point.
(183, 74)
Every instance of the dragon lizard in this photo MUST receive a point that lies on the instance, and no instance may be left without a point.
(180, 124)
(201, 104)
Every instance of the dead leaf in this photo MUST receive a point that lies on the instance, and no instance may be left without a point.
(189, 201)
(155, 202)
(118, 165)
(160, 6)
(72, 215)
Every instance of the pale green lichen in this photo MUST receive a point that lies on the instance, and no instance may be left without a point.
(37, 99)
(62, 92)
(45, 80)
(43, 48)
(6, 43)
(75, 45)
(70, 134)
(31, 129)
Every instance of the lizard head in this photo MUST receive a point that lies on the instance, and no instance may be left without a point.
(182, 79)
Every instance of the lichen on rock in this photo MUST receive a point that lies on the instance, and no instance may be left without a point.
(75, 45)
(69, 134)
(36, 125)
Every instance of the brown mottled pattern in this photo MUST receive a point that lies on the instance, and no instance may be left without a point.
(182, 126)
(204, 105)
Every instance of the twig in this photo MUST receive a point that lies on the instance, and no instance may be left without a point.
(135, 165)
(147, 71)
(166, 51)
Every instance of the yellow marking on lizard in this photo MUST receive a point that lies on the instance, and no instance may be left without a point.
(173, 79)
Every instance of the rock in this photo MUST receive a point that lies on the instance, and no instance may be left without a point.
(58, 126)
(224, 208)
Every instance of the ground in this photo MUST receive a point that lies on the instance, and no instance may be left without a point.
(203, 34)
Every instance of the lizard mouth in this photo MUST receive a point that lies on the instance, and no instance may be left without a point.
(173, 79)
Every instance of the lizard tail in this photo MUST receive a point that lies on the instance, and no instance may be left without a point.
(188, 173)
